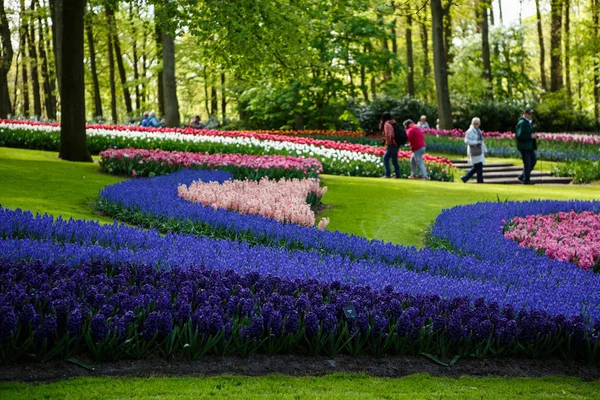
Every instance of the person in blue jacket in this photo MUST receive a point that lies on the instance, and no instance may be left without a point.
(153, 121)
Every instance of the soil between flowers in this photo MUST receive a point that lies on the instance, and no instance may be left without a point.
(291, 365)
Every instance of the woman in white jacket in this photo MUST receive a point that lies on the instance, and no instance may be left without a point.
(475, 151)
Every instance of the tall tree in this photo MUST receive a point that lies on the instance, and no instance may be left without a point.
(447, 31)
(567, 40)
(542, 48)
(556, 78)
(49, 97)
(56, 13)
(440, 65)
(223, 98)
(410, 64)
(52, 72)
(73, 140)
(165, 14)
(214, 101)
(394, 30)
(33, 64)
(484, 6)
(111, 80)
(6, 56)
(500, 11)
(24, 73)
(159, 70)
(114, 37)
(136, 75)
(596, 61)
(425, 46)
(93, 69)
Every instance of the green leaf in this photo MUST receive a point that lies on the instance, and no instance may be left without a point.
(81, 364)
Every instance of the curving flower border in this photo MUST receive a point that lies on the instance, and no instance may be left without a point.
(536, 282)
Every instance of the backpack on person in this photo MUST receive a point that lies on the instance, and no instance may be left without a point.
(400, 136)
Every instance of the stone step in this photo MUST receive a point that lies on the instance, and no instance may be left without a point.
(464, 164)
(493, 168)
(512, 174)
(536, 180)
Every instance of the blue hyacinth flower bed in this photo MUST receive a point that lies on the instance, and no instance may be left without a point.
(113, 291)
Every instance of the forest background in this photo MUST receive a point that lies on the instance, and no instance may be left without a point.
(312, 64)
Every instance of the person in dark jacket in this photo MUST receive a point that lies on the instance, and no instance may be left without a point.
(527, 145)
(391, 153)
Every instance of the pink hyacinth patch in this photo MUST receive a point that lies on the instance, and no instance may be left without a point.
(566, 236)
(284, 200)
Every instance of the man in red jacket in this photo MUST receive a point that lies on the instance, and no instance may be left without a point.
(417, 146)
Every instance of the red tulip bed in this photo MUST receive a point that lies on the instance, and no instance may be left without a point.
(337, 158)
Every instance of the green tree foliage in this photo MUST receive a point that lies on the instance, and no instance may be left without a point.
(316, 64)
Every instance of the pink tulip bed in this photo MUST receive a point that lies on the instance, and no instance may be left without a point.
(565, 236)
(139, 162)
(284, 200)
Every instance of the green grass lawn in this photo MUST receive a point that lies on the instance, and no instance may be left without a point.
(400, 210)
(40, 182)
(391, 210)
(336, 386)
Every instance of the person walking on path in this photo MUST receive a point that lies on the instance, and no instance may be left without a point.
(527, 145)
(475, 151)
(417, 146)
(391, 153)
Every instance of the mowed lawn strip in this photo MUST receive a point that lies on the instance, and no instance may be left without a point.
(400, 210)
(39, 181)
(336, 386)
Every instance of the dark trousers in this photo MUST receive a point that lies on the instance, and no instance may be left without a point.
(529, 161)
(476, 169)
(391, 154)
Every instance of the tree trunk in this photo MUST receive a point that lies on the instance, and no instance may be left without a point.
(206, 96)
(542, 48)
(410, 64)
(596, 62)
(373, 85)
(426, 64)
(23, 46)
(95, 83)
(6, 56)
(159, 71)
(73, 140)
(485, 45)
(33, 65)
(492, 18)
(567, 12)
(447, 32)
(56, 13)
(500, 11)
(363, 78)
(169, 82)
(223, 98)
(144, 91)
(51, 68)
(49, 99)
(556, 79)
(214, 101)
(112, 28)
(111, 79)
(16, 82)
(136, 75)
(440, 65)
(387, 73)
